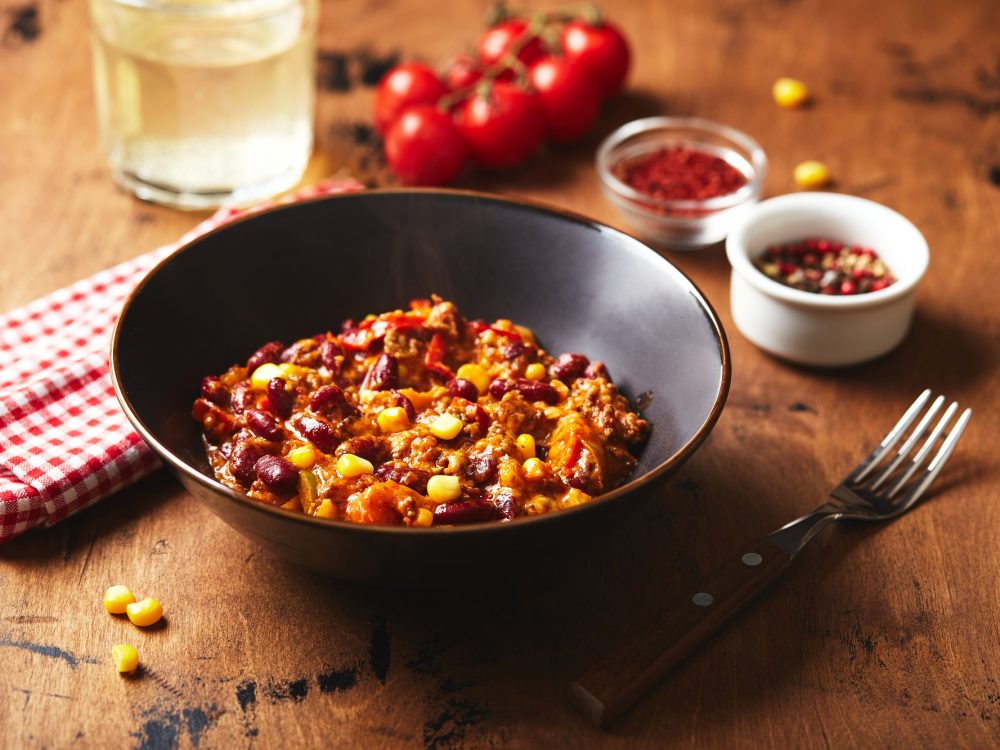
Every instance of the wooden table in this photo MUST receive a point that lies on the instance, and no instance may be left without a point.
(877, 637)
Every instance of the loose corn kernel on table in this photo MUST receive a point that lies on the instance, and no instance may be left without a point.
(879, 637)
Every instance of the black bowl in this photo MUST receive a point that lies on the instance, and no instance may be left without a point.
(293, 271)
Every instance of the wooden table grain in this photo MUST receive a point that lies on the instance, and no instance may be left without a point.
(883, 637)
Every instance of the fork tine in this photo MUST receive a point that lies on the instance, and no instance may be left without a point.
(892, 438)
(904, 451)
(935, 466)
(924, 450)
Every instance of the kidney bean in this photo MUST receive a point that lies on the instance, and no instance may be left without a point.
(462, 388)
(597, 370)
(483, 469)
(568, 367)
(398, 399)
(399, 472)
(329, 350)
(514, 350)
(504, 502)
(278, 474)
(483, 419)
(242, 398)
(280, 397)
(270, 352)
(318, 433)
(242, 460)
(536, 391)
(371, 448)
(466, 511)
(326, 398)
(382, 375)
(213, 389)
(499, 388)
(264, 425)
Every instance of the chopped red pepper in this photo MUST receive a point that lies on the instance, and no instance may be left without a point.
(434, 358)
(575, 449)
(481, 326)
(361, 337)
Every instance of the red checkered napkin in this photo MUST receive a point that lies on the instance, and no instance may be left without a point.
(64, 442)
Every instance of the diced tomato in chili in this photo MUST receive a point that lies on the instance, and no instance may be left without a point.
(434, 358)
(481, 326)
(361, 337)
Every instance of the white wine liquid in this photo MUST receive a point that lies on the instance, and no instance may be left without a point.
(202, 102)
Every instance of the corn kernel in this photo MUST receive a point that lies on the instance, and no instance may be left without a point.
(144, 613)
(446, 426)
(526, 333)
(125, 658)
(350, 465)
(574, 497)
(290, 371)
(812, 174)
(537, 505)
(534, 371)
(790, 93)
(534, 468)
(393, 419)
(476, 375)
(303, 457)
(424, 518)
(443, 489)
(526, 445)
(326, 509)
(264, 375)
(116, 598)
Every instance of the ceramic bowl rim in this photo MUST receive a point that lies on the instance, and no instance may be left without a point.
(738, 252)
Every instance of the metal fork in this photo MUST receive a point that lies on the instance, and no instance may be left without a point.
(879, 488)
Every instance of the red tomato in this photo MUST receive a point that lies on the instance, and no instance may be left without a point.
(569, 95)
(402, 87)
(601, 50)
(497, 40)
(424, 147)
(461, 72)
(502, 129)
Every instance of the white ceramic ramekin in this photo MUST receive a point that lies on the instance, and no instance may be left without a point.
(815, 329)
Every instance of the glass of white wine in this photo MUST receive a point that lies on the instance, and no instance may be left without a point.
(202, 103)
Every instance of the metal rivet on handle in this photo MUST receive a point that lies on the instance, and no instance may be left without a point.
(702, 599)
(752, 559)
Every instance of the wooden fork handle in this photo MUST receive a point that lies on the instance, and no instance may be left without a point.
(611, 686)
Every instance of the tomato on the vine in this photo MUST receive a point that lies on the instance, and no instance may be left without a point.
(570, 97)
(461, 72)
(497, 40)
(600, 49)
(424, 147)
(503, 127)
(404, 86)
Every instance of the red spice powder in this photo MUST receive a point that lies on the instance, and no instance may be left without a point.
(681, 173)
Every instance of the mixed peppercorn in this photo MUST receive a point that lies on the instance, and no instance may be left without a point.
(826, 266)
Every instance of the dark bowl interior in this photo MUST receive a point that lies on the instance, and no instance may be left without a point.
(297, 270)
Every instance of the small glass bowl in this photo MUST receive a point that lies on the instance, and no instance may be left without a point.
(680, 224)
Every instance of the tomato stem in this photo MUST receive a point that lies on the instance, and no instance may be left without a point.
(540, 26)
